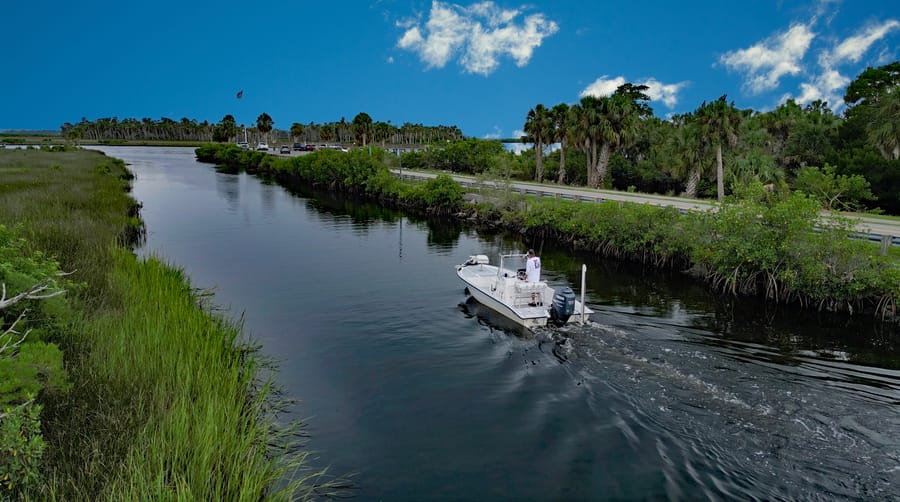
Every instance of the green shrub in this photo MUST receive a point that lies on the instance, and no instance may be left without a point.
(29, 365)
(21, 449)
(442, 192)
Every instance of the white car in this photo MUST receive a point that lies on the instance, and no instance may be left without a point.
(262, 147)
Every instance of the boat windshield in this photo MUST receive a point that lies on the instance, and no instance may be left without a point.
(511, 264)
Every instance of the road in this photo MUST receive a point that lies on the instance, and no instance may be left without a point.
(874, 229)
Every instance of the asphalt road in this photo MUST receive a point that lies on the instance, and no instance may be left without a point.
(872, 228)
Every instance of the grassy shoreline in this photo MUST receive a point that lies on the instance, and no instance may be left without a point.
(165, 400)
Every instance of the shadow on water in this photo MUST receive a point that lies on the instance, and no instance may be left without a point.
(443, 232)
(490, 319)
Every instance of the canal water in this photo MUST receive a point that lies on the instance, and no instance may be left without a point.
(417, 394)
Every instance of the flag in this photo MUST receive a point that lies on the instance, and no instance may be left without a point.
(240, 94)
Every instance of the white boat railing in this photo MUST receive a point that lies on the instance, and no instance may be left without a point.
(583, 274)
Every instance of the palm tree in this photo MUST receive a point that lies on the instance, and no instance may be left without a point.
(583, 130)
(688, 153)
(720, 121)
(538, 125)
(297, 130)
(327, 132)
(361, 127)
(561, 116)
(618, 125)
(780, 123)
(884, 129)
(264, 124)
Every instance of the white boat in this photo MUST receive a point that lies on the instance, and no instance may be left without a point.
(530, 304)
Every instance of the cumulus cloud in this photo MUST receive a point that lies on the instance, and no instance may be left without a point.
(477, 36)
(603, 86)
(853, 48)
(765, 63)
(667, 94)
(828, 84)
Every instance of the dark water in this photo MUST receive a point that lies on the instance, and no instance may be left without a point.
(672, 393)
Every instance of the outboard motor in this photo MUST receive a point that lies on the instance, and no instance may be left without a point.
(563, 306)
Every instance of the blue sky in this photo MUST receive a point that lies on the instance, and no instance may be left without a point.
(480, 66)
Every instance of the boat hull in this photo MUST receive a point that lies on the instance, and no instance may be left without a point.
(526, 304)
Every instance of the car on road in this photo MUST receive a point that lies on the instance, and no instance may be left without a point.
(309, 148)
(298, 147)
(244, 145)
(285, 149)
(263, 147)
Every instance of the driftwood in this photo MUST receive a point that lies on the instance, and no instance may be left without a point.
(10, 338)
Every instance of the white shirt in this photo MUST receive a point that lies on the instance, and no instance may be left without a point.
(533, 269)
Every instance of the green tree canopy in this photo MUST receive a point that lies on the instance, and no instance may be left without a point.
(361, 127)
(872, 82)
(720, 121)
(264, 123)
(834, 191)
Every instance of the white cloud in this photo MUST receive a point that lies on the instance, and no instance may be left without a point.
(390, 60)
(478, 35)
(658, 91)
(765, 63)
(829, 84)
(666, 93)
(496, 134)
(603, 86)
(853, 48)
(518, 148)
(518, 133)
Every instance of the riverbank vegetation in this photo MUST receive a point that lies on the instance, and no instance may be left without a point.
(759, 242)
(617, 142)
(122, 385)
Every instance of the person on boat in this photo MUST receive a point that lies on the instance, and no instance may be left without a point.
(532, 267)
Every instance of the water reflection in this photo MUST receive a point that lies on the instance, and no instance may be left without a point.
(228, 187)
(443, 233)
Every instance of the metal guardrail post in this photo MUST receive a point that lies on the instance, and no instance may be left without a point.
(886, 241)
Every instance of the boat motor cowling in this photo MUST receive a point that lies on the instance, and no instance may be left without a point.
(563, 306)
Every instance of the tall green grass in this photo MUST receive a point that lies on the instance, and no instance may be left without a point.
(177, 382)
(167, 400)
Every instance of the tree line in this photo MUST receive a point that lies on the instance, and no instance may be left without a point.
(362, 130)
(616, 142)
(129, 129)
